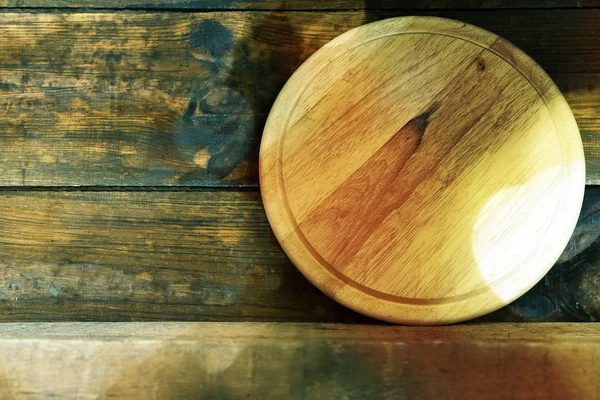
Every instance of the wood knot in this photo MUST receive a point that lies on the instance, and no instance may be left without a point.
(480, 63)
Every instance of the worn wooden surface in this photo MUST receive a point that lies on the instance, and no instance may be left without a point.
(122, 256)
(303, 361)
(397, 162)
(111, 100)
(148, 256)
(297, 4)
(180, 98)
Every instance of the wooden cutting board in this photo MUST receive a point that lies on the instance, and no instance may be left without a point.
(421, 170)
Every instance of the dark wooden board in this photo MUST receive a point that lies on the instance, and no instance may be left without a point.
(313, 361)
(299, 4)
(179, 99)
(148, 256)
(203, 256)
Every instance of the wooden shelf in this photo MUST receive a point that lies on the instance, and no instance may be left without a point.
(266, 360)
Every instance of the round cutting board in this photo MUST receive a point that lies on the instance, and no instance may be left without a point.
(421, 170)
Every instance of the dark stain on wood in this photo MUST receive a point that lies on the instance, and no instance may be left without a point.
(480, 63)
(196, 285)
(420, 122)
(212, 147)
(230, 94)
(112, 57)
(9, 87)
(212, 37)
(532, 306)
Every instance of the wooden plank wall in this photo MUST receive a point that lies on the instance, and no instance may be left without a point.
(130, 141)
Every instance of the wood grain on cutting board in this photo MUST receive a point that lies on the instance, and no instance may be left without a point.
(422, 170)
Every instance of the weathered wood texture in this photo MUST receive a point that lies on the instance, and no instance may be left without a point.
(148, 256)
(304, 361)
(180, 98)
(298, 4)
(109, 256)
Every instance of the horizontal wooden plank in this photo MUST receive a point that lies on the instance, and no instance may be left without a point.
(137, 256)
(204, 256)
(299, 4)
(215, 360)
(148, 256)
(179, 99)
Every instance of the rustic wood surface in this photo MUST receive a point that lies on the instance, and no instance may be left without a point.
(397, 184)
(197, 255)
(166, 98)
(109, 100)
(216, 360)
(298, 4)
(102, 256)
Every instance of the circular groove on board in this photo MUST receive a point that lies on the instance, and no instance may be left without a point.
(422, 170)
